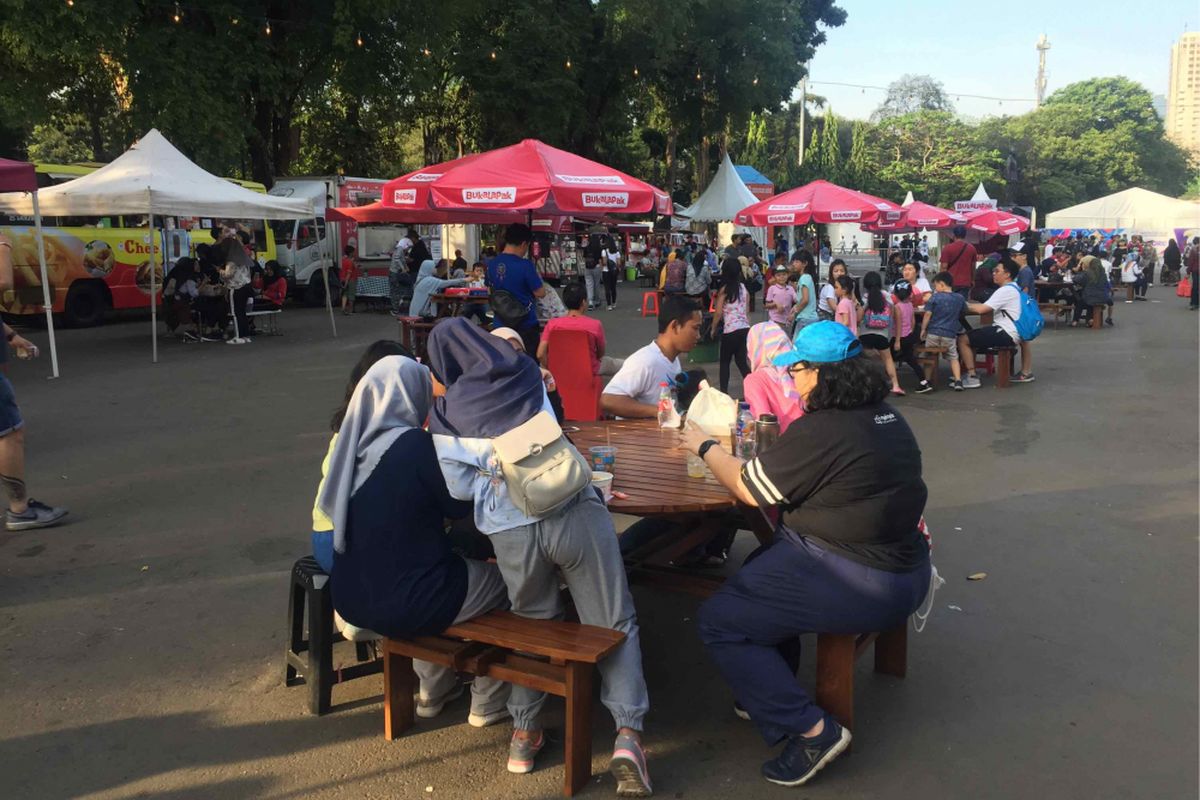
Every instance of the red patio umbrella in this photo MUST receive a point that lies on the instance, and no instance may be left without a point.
(819, 201)
(528, 176)
(991, 222)
(377, 212)
(918, 215)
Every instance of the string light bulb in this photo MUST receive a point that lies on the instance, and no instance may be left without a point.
(70, 3)
(755, 80)
(358, 39)
(426, 52)
(234, 21)
(635, 70)
(697, 74)
(568, 63)
(493, 55)
(268, 28)
(176, 16)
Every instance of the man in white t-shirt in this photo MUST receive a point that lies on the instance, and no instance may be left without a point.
(397, 268)
(1005, 307)
(633, 391)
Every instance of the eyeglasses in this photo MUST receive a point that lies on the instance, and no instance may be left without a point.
(799, 366)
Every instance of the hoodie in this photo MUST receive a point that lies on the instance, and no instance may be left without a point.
(425, 286)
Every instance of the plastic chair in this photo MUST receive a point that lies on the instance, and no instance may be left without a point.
(569, 355)
(649, 303)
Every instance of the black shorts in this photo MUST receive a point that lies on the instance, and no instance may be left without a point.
(989, 337)
(874, 341)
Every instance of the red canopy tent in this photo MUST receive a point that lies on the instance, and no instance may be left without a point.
(18, 176)
(918, 216)
(528, 176)
(822, 202)
(991, 222)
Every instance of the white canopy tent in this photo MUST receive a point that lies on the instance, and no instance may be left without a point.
(1139, 211)
(153, 177)
(725, 196)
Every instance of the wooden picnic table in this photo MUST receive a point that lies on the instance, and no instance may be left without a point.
(651, 469)
(451, 305)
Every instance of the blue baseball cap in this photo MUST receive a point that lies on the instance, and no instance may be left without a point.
(823, 342)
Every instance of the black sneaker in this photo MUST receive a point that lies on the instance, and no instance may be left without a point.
(956, 386)
(925, 386)
(804, 757)
(37, 515)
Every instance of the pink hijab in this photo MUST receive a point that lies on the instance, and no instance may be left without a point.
(764, 342)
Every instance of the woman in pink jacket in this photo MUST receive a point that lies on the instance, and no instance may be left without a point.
(769, 389)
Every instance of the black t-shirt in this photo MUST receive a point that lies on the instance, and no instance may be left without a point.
(849, 481)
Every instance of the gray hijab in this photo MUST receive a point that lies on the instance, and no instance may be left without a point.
(393, 397)
(425, 285)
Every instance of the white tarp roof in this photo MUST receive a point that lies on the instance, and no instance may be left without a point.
(1136, 210)
(153, 173)
(723, 198)
(980, 194)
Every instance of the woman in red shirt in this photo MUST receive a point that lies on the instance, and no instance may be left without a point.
(274, 289)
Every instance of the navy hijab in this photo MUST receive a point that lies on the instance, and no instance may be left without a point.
(490, 388)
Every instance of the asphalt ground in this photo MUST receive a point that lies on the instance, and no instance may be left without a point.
(141, 644)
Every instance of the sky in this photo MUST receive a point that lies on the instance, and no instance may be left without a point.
(988, 48)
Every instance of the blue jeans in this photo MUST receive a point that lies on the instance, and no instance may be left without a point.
(787, 588)
(580, 543)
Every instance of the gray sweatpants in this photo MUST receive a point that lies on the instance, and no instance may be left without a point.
(580, 543)
(485, 592)
(591, 282)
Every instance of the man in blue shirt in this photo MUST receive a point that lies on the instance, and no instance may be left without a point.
(1025, 277)
(513, 272)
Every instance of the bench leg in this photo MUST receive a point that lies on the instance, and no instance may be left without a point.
(835, 675)
(1003, 369)
(320, 651)
(399, 684)
(578, 745)
(296, 643)
(891, 651)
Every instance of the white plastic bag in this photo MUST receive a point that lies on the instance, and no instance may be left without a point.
(713, 411)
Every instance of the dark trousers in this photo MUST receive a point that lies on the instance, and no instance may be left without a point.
(478, 311)
(610, 287)
(530, 337)
(733, 346)
(1140, 285)
(1195, 289)
(792, 587)
(240, 296)
(908, 355)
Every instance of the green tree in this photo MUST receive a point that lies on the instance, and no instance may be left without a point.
(827, 159)
(861, 165)
(937, 157)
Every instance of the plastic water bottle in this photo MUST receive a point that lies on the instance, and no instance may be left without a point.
(746, 434)
(666, 404)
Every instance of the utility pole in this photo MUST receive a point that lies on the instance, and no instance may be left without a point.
(803, 105)
(1043, 44)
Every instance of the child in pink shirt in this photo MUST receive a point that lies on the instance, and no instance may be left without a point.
(781, 297)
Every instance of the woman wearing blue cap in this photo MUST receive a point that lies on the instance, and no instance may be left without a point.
(847, 555)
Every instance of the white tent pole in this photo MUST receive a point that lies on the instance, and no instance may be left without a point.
(325, 276)
(37, 224)
(153, 298)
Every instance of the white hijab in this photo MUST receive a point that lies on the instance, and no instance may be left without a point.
(393, 397)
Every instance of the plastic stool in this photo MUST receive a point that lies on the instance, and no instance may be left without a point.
(649, 301)
(310, 660)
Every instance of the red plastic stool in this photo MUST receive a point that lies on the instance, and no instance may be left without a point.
(649, 303)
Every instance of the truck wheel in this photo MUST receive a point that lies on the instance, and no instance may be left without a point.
(85, 305)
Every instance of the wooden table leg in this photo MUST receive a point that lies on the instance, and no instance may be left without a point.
(578, 744)
(399, 683)
(835, 675)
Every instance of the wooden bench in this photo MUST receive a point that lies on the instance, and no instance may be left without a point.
(1056, 310)
(488, 646)
(999, 360)
(414, 333)
(1098, 316)
(270, 315)
(928, 358)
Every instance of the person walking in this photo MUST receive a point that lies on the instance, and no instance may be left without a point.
(23, 513)
(958, 258)
(611, 260)
(731, 308)
(592, 253)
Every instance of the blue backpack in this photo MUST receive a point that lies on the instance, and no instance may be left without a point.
(1029, 325)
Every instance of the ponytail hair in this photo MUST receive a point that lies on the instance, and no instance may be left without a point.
(873, 285)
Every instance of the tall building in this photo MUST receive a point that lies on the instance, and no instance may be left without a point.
(1183, 93)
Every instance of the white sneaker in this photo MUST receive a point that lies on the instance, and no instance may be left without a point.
(427, 708)
(484, 720)
(971, 382)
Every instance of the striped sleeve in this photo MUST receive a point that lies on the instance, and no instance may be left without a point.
(761, 486)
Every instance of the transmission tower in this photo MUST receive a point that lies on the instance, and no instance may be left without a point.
(1043, 44)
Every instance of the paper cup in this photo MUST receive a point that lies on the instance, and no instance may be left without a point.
(604, 482)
